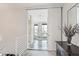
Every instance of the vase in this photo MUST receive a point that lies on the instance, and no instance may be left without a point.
(69, 41)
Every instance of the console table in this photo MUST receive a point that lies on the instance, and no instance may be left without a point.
(62, 49)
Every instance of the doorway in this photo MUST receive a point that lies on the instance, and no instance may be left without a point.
(38, 30)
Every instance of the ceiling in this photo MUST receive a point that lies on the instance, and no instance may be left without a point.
(38, 5)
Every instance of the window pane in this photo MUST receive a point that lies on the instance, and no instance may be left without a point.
(35, 30)
(44, 30)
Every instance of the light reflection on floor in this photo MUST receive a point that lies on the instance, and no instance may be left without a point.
(40, 45)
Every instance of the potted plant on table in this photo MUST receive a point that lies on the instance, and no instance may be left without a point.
(70, 31)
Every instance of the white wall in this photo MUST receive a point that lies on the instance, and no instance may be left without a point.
(72, 16)
(12, 28)
(66, 7)
(54, 24)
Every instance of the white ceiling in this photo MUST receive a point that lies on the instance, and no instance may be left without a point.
(38, 5)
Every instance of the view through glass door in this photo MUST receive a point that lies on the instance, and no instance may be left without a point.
(40, 36)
